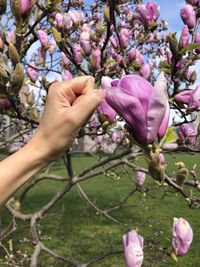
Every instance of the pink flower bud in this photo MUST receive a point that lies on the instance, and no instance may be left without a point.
(59, 20)
(145, 71)
(182, 236)
(85, 42)
(185, 36)
(43, 37)
(25, 7)
(124, 36)
(188, 16)
(65, 59)
(52, 46)
(140, 178)
(77, 53)
(67, 21)
(187, 134)
(95, 60)
(76, 16)
(66, 75)
(197, 40)
(32, 73)
(133, 249)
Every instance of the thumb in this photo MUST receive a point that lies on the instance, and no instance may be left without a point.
(85, 105)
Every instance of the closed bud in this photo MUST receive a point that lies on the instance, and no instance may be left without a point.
(18, 76)
(181, 176)
(13, 54)
(107, 14)
(56, 35)
(156, 169)
(21, 9)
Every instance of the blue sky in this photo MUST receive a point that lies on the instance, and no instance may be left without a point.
(170, 11)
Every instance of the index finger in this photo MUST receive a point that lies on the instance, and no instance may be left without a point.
(80, 85)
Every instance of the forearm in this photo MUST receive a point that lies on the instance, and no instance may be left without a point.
(19, 168)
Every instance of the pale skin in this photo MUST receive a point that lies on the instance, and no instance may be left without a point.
(69, 105)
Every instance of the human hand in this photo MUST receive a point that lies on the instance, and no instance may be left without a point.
(69, 104)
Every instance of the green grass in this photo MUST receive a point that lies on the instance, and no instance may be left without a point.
(74, 229)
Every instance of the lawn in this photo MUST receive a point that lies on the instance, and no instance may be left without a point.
(74, 229)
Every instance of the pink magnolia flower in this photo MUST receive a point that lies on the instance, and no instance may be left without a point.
(32, 73)
(182, 236)
(147, 13)
(140, 178)
(145, 108)
(133, 249)
(188, 16)
(187, 134)
(189, 97)
(43, 37)
(185, 36)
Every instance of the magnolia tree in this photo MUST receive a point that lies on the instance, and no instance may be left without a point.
(151, 106)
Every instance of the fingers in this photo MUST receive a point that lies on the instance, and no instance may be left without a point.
(86, 105)
(80, 85)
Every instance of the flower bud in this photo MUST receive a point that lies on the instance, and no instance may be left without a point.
(52, 46)
(124, 36)
(66, 75)
(188, 16)
(13, 54)
(197, 40)
(17, 76)
(182, 236)
(21, 9)
(43, 37)
(59, 20)
(185, 36)
(133, 249)
(156, 168)
(32, 73)
(95, 60)
(77, 53)
(140, 178)
(145, 71)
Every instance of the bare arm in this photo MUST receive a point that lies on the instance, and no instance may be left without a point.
(69, 104)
